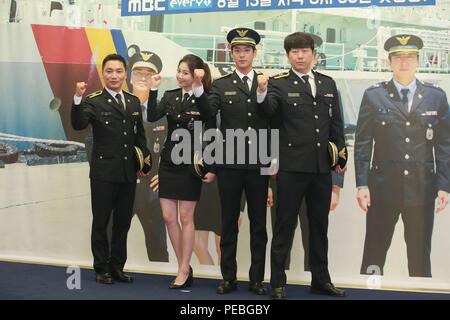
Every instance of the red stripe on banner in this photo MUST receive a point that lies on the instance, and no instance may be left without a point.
(62, 44)
(67, 57)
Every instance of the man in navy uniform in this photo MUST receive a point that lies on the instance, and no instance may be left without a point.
(234, 96)
(402, 157)
(307, 105)
(116, 119)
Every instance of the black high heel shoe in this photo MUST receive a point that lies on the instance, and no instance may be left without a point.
(186, 284)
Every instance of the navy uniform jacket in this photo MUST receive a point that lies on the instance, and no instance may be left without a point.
(115, 133)
(180, 115)
(238, 110)
(306, 123)
(403, 168)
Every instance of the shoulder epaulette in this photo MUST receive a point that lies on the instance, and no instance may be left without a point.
(378, 85)
(224, 76)
(129, 93)
(281, 75)
(431, 85)
(94, 94)
(173, 90)
(322, 75)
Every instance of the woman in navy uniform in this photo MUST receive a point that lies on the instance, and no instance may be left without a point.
(402, 156)
(178, 186)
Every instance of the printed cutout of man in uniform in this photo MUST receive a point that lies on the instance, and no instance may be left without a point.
(142, 65)
(402, 156)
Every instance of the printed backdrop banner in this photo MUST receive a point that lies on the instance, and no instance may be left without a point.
(152, 7)
(45, 204)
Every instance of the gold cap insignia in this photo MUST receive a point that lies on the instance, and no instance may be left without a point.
(146, 56)
(403, 40)
(242, 33)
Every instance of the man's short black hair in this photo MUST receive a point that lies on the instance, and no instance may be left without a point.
(298, 40)
(114, 56)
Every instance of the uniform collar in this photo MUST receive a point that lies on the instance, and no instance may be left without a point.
(411, 86)
(310, 74)
(113, 93)
(190, 92)
(249, 75)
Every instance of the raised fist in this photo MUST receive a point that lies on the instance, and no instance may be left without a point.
(155, 81)
(263, 81)
(198, 77)
(80, 89)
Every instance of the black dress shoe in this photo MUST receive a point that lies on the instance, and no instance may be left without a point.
(257, 288)
(328, 289)
(187, 283)
(227, 287)
(278, 293)
(118, 275)
(104, 278)
(191, 272)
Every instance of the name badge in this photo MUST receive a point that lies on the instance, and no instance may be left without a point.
(230, 93)
(156, 147)
(159, 128)
(135, 113)
(429, 113)
(329, 95)
(293, 94)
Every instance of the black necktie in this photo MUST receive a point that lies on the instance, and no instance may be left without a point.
(186, 97)
(308, 86)
(119, 101)
(405, 96)
(244, 80)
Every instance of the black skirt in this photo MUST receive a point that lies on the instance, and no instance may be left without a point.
(177, 182)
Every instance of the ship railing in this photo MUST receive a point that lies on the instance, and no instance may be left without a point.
(270, 53)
